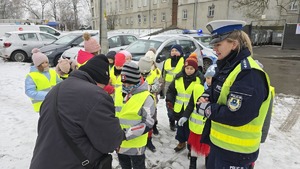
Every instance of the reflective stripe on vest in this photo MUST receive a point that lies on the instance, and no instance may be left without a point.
(196, 121)
(129, 117)
(171, 72)
(241, 139)
(183, 95)
(42, 84)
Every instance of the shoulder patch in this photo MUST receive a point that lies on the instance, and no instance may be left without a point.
(234, 102)
(245, 65)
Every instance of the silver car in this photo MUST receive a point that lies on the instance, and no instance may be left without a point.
(17, 45)
(163, 44)
(116, 43)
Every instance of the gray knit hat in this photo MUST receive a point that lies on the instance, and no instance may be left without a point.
(145, 64)
(130, 73)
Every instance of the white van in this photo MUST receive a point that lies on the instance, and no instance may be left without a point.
(43, 28)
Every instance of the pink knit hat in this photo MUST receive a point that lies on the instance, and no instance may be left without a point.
(64, 65)
(37, 57)
(90, 44)
(127, 54)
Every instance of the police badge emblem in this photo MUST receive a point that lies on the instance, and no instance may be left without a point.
(234, 102)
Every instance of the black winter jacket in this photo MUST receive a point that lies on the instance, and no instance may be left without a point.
(88, 116)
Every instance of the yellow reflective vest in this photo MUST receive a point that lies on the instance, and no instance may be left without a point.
(42, 84)
(153, 75)
(129, 117)
(241, 139)
(117, 96)
(196, 121)
(172, 71)
(183, 95)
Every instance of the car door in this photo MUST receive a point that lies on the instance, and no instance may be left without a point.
(46, 38)
(190, 46)
(127, 39)
(115, 43)
(29, 41)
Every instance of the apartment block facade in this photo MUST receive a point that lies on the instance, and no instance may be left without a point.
(190, 14)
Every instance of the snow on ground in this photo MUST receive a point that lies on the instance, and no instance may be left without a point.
(18, 130)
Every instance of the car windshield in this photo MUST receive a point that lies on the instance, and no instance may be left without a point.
(205, 40)
(141, 46)
(65, 39)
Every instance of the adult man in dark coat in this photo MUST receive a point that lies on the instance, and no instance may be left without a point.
(87, 114)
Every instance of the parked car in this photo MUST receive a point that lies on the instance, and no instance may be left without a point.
(17, 45)
(209, 56)
(163, 44)
(116, 42)
(43, 28)
(55, 49)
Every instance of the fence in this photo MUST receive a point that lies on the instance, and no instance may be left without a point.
(291, 40)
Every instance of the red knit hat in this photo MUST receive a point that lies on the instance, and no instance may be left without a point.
(120, 59)
(192, 61)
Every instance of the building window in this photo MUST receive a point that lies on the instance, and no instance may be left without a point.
(211, 11)
(120, 21)
(93, 12)
(126, 4)
(145, 2)
(154, 17)
(145, 18)
(163, 0)
(131, 3)
(116, 6)
(163, 16)
(154, 2)
(294, 5)
(111, 11)
(139, 3)
(131, 20)
(184, 14)
(127, 21)
(139, 18)
(120, 5)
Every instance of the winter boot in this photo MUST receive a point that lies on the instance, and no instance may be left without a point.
(155, 131)
(172, 125)
(180, 147)
(193, 163)
(150, 145)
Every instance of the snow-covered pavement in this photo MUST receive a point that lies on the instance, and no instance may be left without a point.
(18, 130)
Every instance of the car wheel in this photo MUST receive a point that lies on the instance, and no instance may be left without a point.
(19, 56)
(206, 63)
(55, 61)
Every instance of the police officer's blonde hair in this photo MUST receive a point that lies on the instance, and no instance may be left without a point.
(242, 38)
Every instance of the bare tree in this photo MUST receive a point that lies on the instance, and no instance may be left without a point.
(66, 14)
(53, 9)
(75, 10)
(256, 7)
(43, 5)
(10, 9)
(29, 6)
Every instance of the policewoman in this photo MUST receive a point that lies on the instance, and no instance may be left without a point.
(238, 102)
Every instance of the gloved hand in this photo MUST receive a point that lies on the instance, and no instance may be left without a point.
(109, 89)
(204, 109)
(170, 105)
(181, 121)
